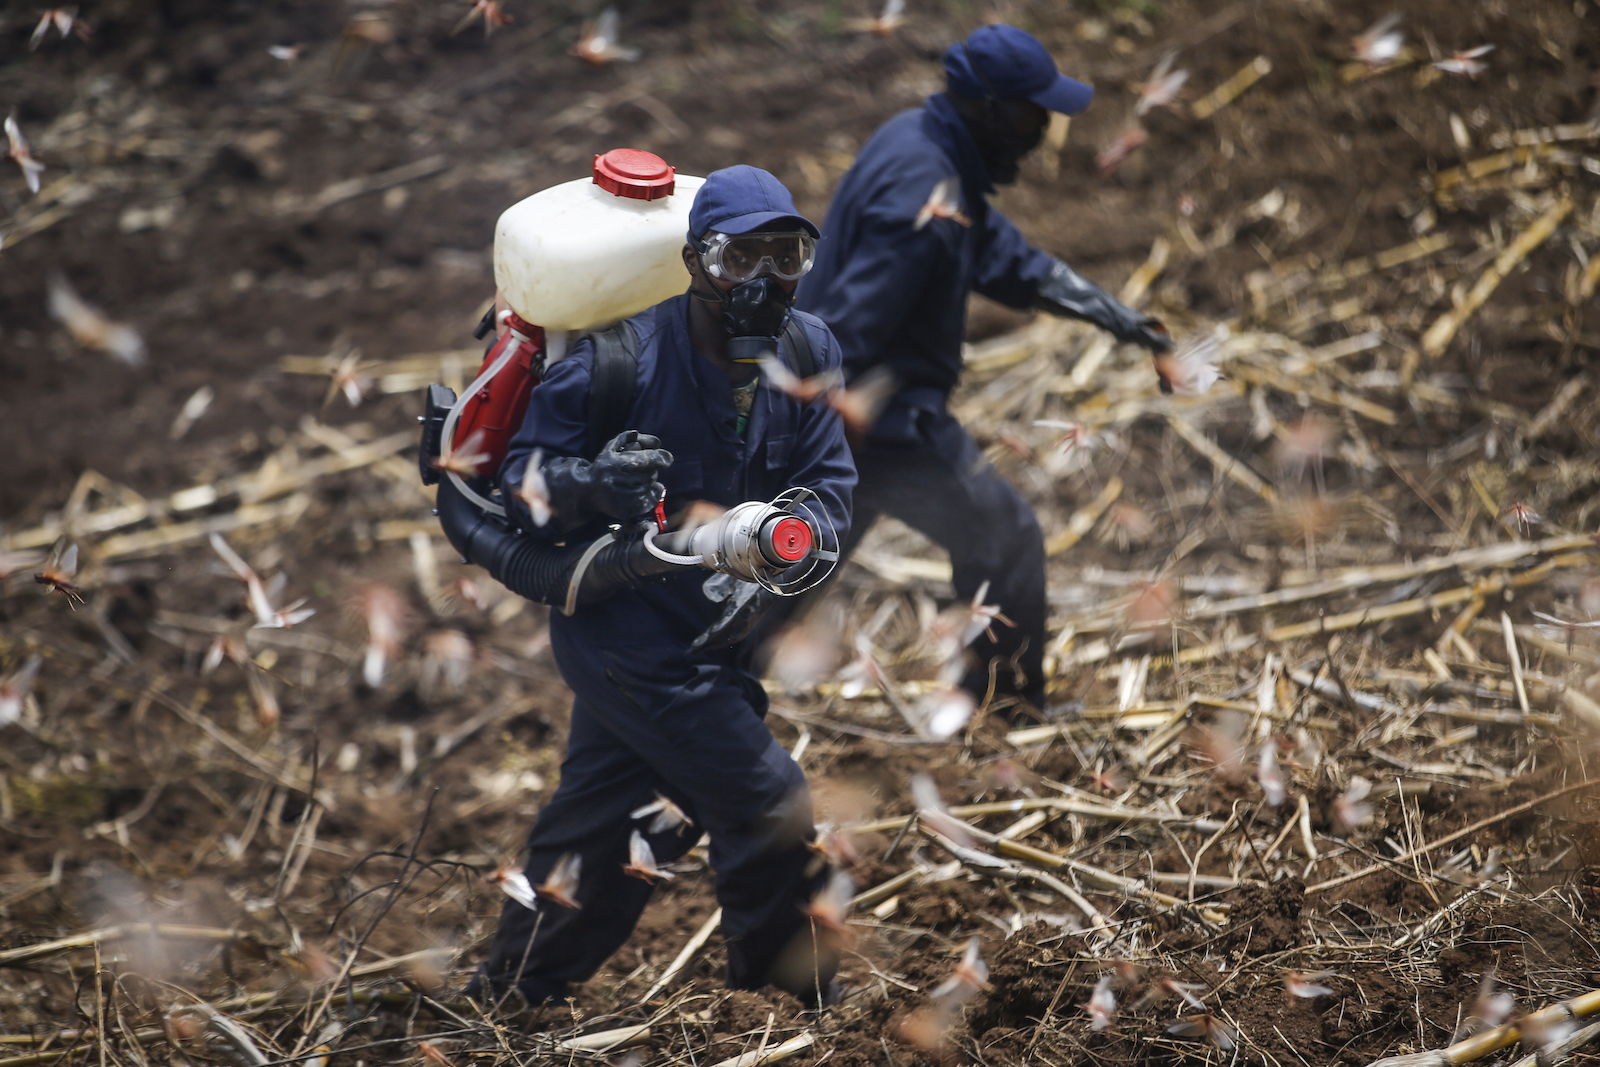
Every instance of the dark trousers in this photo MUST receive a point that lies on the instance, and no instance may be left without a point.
(657, 721)
(940, 485)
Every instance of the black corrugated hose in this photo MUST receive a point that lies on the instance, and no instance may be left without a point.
(536, 569)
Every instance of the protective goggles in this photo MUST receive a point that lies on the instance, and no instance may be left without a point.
(742, 257)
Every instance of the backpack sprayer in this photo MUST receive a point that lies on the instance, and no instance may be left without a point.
(574, 257)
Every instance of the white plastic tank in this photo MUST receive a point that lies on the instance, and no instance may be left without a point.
(587, 253)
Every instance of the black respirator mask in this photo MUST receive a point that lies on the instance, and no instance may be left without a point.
(753, 311)
(753, 314)
(1003, 150)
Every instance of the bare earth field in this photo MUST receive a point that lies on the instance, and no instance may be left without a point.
(1370, 550)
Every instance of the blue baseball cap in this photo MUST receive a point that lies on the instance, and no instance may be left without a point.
(1010, 64)
(742, 199)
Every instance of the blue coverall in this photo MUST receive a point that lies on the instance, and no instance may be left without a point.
(651, 716)
(896, 297)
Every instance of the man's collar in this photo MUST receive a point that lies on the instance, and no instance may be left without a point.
(948, 129)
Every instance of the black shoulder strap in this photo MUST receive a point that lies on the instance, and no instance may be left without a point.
(616, 374)
(799, 347)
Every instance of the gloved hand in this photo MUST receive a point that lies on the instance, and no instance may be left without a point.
(620, 482)
(1066, 292)
(624, 474)
(740, 614)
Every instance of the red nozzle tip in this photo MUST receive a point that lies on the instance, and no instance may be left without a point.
(791, 539)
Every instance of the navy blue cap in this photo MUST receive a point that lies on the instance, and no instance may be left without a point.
(1010, 64)
(742, 199)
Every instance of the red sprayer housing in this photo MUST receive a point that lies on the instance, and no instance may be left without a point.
(496, 410)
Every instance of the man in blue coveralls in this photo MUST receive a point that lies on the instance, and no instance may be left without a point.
(655, 713)
(895, 291)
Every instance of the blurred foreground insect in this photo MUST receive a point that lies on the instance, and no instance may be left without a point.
(1183, 990)
(1011, 442)
(1379, 43)
(346, 378)
(492, 16)
(364, 31)
(696, 515)
(861, 404)
(885, 24)
(535, 491)
(225, 646)
(311, 961)
(267, 617)
(804, 390)
(466, 458)
(59, 572)
(1128, 525)
(1161, 88)
(642, 861)
(471, 592)
(836, 845)
(1191, 368)
(1560, 629)
(1522, 515)
(1270, 776)
(1152, 609)
(1074, 435)
(1108, 781)
(830, 908)
(1112, 155)
(971, 977)
(1544, 1034)
(598, 45)
(14, 689)
(1466, 62)
(561, 884)
(1351, 808)
(432, 1054)
(1215, 1030)
(932, 813)
(925, 1028)
(384, 613)
(945, 712)
(447, 657)
(1102, 1005)
(288, 53)
(668, 816)
(1305, 986)
(863, 670)
(198, 404)
(942, 204)
(1492, 1007)
(66, 22)
(803, 654)
(514, 884)
(1304, 445)
(981, 617)
(20, 152)
(90, 327)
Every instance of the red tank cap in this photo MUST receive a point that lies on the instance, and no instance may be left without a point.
(635, 174)
(791, 539)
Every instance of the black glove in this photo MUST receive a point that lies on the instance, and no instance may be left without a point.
(740, 613)
(620, 482)
(1066, 292)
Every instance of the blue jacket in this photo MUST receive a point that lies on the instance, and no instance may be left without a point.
(686, 401)
(895, 296)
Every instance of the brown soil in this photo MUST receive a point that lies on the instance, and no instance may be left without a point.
(188, 165)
